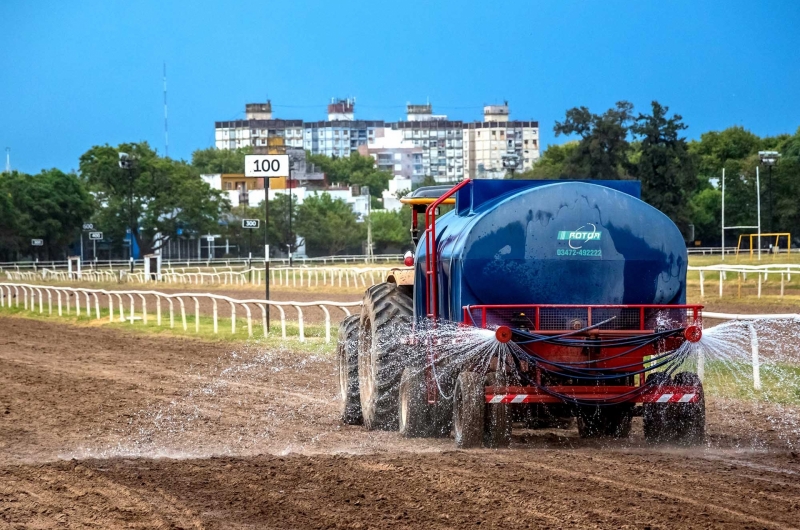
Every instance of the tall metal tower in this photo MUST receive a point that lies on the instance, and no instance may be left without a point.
(166, 129)
(8, 160)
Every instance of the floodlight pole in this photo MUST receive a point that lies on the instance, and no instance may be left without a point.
(758, 208)
(723, 215)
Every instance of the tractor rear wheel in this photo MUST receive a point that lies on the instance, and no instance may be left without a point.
(382, 354)
(688, 420)
(347, 355)
(655, 420)
(468, 409)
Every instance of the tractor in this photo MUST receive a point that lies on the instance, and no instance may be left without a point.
(581, 287)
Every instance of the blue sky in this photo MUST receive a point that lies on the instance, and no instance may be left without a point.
(81, 73)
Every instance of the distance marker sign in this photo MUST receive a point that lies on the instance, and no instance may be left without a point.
(37, 242)
(95, 236)
(267, 166)
(251, 223)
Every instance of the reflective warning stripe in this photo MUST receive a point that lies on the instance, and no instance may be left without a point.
(671, 397)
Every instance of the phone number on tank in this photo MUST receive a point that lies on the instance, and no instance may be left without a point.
(578, 252)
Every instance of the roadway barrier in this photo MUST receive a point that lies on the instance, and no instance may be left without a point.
(11, 293)
(740, 272)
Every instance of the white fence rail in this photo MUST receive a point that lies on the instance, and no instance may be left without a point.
(30, 294)
(170, 262)
(740, 272)
(279, 276)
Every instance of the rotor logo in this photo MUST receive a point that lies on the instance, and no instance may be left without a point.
(577, 238)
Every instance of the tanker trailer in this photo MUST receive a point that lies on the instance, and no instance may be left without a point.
(583, 288)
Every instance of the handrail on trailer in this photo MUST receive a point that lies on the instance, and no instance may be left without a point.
(432, 296)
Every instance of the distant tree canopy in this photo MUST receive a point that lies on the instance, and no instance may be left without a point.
(212, 161)
(328, 226)
(51, 205)
(154, 198)
(355, 170)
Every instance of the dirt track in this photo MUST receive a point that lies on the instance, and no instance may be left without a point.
(87, 415)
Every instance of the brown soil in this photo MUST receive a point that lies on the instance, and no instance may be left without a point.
(105, 429)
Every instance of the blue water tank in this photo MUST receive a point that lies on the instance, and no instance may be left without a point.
(553, 242)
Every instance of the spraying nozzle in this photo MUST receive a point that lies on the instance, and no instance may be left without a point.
(693, 333)
(503, 334)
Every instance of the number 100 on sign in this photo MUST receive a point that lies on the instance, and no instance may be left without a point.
(267, 166)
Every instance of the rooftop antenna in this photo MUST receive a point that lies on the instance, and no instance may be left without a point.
(8, 160)
(166, 129)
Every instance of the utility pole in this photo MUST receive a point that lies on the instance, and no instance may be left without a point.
(365, 194)
(8, 160)
(291, 237)
(166, 130)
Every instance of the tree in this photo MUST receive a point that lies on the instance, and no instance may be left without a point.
(664, 165)
(214, 161)
(391, 229)
(551, 165)
(51, 205)
(355, 170)
(328, 225)
(155, 197)
(602, 150)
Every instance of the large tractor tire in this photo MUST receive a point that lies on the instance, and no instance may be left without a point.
(382, 353)
(468, 410)
(347, 355)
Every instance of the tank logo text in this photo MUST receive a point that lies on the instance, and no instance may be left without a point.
(576, 238)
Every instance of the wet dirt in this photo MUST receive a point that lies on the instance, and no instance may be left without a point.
(104, 429)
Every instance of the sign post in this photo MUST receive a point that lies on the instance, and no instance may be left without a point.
(86, 228)
(94, 237)
(250, 225)
(268, 167)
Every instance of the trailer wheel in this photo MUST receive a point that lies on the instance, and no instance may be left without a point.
(347, 354)
(655, 420)
(385, 320)
(497, 417)
(413, 415)
(688, 420)
(468, 410)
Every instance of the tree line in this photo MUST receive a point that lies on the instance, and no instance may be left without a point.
(680, 177)
(156, 200)
(159, 200)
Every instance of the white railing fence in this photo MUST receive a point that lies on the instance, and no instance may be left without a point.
(279, 276)
(204, 262)
(740, 272)
(30, 294)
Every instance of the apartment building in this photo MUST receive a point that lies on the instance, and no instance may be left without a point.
(424, 144)
(440, 139)
(394, 154)
(341, 134)
(497, 145)
(257, 128)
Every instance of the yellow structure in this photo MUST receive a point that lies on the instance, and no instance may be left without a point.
(776, 235)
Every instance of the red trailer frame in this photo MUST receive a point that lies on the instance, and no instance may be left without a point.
(605, 322)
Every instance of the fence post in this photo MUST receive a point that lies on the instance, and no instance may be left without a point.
(720, 284)
(196, 315)
(756, 365)
(214, 300)
(702, 286)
